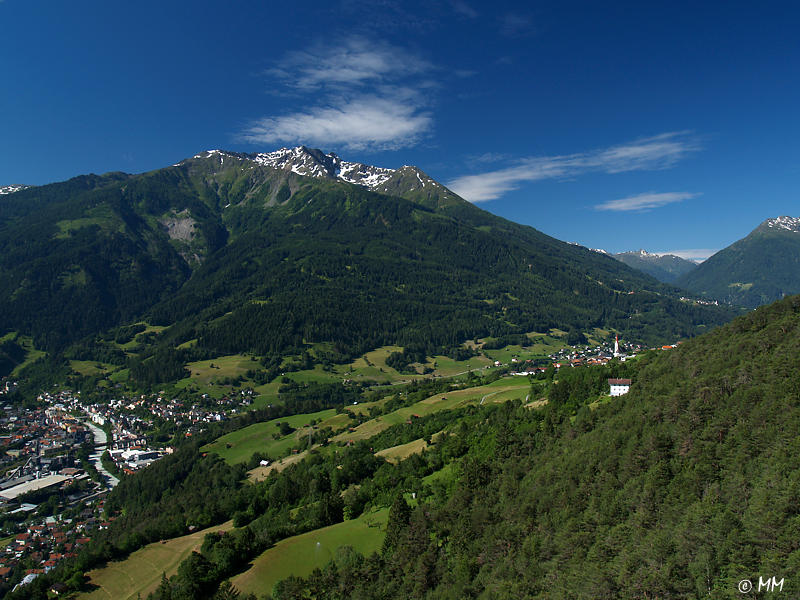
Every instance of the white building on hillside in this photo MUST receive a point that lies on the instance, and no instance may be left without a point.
(619, 386)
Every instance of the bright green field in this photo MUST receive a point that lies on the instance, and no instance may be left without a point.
(501, 390)
(90, 367)
(223, 366)
(301, 554)
(442, 475)
(238, 446)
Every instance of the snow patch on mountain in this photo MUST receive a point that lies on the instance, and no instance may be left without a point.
(10, 189)
(310, 162)
(785, 222)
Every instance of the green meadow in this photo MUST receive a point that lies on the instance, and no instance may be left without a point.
(238, 446)
(301, 554)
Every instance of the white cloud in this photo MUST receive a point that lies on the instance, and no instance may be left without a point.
(357, 124)
(653, 153)
(355, 94)
(491, 185)
(643, 202)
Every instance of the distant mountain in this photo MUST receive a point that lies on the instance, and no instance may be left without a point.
(756, 270)
(273, 252)
(664, 267)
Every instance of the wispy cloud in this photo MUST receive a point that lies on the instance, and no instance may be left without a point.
(652, 153)
(355, 61)
(644, 202)
(360, 94)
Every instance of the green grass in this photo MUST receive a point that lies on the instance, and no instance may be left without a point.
(395, 454)
(501, 390)
(140, 573)
(445, 366)
(301, 554)
(443, 475)
(91, 367)
(65, 228)
(26, 343)
(238, 446)
(234, 365)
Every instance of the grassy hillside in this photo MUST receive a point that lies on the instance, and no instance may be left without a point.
(139, 574)
(682, 488)
(299, 555)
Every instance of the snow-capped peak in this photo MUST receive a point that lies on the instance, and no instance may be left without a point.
(786, 223)
(10, 189)
(310, 162)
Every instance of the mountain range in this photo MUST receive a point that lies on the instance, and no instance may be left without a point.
(273, 252)
(664, 267)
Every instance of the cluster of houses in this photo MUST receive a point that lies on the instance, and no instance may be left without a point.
(39, 449)
(137, 414)
(42, 543)
(579, 357)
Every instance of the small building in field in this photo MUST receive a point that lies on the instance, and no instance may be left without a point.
(619, 387)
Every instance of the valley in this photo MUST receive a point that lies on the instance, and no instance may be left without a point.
(310, 371)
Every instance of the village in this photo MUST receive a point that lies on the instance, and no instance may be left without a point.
(59, 460)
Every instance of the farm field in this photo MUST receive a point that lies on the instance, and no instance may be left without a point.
(395, 454)
(501, 390)
(223, 366)
(140, 573)
(91, 367)
(206, 375)
(301, 554)
(238, 446)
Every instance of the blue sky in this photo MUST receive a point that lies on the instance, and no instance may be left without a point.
(669, 126)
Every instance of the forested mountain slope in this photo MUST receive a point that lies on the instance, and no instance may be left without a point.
(242, 256)
(758, 269)
(683, 488)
